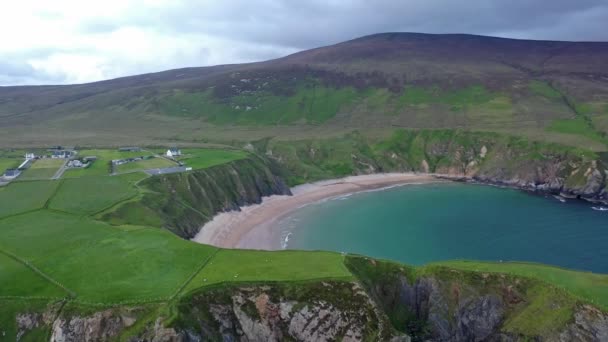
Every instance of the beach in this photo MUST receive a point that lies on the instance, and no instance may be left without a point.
(251, 227)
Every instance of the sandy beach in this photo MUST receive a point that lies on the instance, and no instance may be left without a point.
(252, 226)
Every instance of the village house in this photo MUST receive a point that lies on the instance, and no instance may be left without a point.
(30, 155)
(173, 152)
(61, 154)
(76, 163)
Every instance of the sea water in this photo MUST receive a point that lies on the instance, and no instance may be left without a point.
(417, 224)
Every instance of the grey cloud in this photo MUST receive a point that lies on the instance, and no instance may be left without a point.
(264, 29)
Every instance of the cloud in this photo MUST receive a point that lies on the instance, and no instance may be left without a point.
(69, 41)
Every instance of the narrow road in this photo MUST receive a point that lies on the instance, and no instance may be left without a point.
(61, 170)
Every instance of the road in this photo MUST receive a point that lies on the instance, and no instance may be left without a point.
(61, 170)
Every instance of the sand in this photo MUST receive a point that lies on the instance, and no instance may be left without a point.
(251, 227)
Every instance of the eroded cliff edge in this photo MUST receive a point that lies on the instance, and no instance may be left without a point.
(489, 158)
(383, 301)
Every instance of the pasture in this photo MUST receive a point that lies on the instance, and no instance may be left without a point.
(230, 265)
(42, 169)
(20, 197)
(88, 195)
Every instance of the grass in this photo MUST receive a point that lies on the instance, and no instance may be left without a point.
(18, 280)
(310, 103)
(578, 126)
(544, 89)
(42, 169)
(261, 266)
(456, 99)
(89, 195)
(152, 163)
(203, 158)
(20, 197)
(101, 263)
(549, 311)
(8, 163)
(585, 285)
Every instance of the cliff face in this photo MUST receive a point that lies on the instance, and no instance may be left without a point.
(183, 202)
(483, 157)
(384, 302)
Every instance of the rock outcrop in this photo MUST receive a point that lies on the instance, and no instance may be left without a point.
(446, 305)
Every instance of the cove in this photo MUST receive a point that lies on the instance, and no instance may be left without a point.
(417, 224)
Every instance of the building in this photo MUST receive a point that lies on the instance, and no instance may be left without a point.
(173, 152)
(75, 163)
(11, 173)
(129, 149)
(61, 154)
(30, 156)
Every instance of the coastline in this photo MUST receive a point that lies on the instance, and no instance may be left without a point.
(251, 227)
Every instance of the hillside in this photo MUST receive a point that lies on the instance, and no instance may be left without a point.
(93, 257)
(553, 91)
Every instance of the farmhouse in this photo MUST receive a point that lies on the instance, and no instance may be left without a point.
(30, 155)
(173, 152)
(61, 154)
(76, 163)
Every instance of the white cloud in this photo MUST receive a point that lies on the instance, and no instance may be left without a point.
(69, 41)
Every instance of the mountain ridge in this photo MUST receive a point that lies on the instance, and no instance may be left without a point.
(380, 81)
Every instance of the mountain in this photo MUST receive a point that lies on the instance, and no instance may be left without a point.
(549, 90)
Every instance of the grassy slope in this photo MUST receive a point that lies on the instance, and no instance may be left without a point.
(202, 158)
(589, 286)
(98, 264)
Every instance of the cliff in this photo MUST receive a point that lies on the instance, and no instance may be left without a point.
(184, 202)
(476, 156)
(383, 302)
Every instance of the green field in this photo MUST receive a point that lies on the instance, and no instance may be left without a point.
(89, 195)
(261, 266)
(153, 163)
(42, 169)
(9, 163)
(20, 197)
(202, 158)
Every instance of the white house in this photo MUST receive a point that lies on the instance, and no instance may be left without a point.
(173, 152)
(30, 156)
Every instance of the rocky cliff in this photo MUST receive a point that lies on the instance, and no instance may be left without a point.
(483, 157)
(384, 302)
(183, 202)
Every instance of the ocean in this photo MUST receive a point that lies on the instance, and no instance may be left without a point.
(417, 224)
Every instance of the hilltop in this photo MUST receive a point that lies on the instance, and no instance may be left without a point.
(549, 90)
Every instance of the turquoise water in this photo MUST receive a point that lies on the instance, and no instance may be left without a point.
(417, 224)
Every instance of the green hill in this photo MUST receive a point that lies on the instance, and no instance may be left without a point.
(553, 91)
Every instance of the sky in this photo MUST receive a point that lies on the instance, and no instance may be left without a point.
(75, 41)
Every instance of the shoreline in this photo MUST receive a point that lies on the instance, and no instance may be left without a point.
(252, 226)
